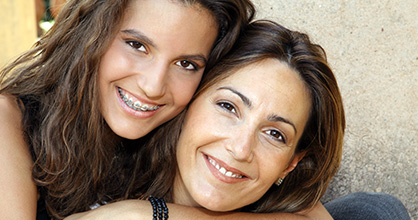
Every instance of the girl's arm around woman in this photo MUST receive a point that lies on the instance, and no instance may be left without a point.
(141, 209)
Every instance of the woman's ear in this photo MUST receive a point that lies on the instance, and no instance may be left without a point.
(293, 163)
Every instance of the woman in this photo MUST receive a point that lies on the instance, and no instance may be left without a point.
(316, 146)
(263, 134)
(104, 76)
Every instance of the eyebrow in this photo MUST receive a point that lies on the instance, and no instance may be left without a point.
(281, 119)
(195, 57)
(139, 35)
(248, 103)
(244, 98)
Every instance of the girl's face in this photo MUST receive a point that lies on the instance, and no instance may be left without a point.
(240, 135)
(154, 65)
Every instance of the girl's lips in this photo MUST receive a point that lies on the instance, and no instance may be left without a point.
(223, 172)
(135, 113)
(137, 104)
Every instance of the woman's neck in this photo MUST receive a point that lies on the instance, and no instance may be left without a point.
(181, 195)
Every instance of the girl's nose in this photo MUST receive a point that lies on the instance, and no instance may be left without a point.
(153, 81)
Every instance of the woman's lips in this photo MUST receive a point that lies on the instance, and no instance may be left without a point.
(223, 172)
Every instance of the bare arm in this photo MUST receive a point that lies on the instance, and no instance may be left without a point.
(139, 209)
(18, 191)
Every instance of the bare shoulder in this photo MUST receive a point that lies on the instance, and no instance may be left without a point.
(17, 187)
(9, 110)
(11, 134)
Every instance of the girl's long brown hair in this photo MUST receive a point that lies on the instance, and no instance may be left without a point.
(323, 135)
(78, 160)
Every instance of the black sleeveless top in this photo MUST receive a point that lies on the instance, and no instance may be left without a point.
(41, 213)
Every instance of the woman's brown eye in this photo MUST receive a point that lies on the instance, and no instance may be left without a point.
(227, 106)
(276, 135)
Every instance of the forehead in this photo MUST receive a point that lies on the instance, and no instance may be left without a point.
(168, 14)
(268, 73)
(172, 25)
(158, 7)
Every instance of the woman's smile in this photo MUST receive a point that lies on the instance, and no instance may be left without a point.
(236, 141)
(223, 172)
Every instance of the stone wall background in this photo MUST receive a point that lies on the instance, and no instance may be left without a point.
(372, 47)
(17, 28)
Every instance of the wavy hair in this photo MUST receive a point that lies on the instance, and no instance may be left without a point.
(321, 140)
(77, 158)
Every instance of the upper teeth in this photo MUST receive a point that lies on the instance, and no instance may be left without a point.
(223, 170)
(137, 105)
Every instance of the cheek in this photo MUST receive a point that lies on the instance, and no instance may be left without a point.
(109, 70)
(115, 63)
(195, 127)
(182, 91)
(102, 82)
(189, 141)
(110, 56)
(272, 166)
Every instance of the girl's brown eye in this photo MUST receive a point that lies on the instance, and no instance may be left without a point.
(187, 65)
(136, 45)
(184, 63)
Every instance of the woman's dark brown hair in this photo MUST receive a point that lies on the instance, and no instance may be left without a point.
(77, 158)
(321, 140)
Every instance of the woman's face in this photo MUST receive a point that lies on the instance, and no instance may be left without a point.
(239, 137)
(154, 65)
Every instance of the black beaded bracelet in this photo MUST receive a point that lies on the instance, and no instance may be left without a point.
(159, 209)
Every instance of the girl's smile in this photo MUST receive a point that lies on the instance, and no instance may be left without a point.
(132, 102)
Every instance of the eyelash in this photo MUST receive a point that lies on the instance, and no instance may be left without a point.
(134, 44)
(227, 106)
(194, 66)
(281, 137)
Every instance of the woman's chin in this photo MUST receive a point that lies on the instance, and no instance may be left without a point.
(217, 206)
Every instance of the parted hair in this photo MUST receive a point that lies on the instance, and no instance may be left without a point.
(78, 160)
(321, 140)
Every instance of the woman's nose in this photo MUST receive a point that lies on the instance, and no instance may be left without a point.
(242, 145)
